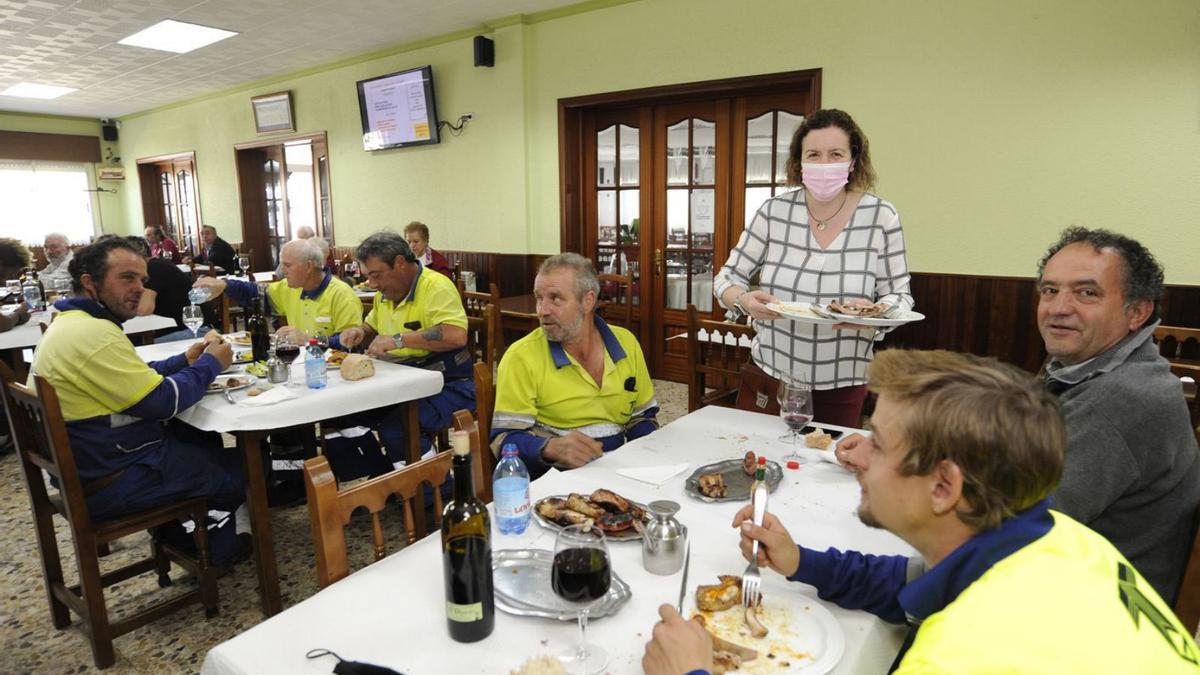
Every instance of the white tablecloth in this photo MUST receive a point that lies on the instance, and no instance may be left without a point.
(702, 292)
(390, 385)
(392, 613)
(29, 333)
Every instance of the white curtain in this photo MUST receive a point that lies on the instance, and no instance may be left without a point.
(37, 198)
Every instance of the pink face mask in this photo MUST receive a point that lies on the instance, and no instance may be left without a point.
(824, 181)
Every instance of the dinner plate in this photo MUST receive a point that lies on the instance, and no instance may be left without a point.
(737, 481)
(799, 311)
(804, 636)
(902, 318)
(521, 579)
(243, 357)
(238, 338)
(218, 385)
(628, 534)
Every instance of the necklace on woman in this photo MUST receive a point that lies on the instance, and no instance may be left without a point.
(822, 223)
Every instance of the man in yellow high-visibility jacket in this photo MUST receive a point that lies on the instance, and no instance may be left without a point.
(964, 454)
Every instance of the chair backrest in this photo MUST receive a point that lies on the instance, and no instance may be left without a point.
(37, 425)
(481, 467)
(1187, 602)
(483, 324)
(456, 276)
(481, 423)
(329, 510)
(615, 303)
(1181, 347)
(715, 360)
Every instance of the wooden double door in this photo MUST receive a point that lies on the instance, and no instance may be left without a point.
(658, 184)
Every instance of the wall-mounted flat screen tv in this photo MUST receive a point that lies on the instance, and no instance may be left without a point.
(398, 110)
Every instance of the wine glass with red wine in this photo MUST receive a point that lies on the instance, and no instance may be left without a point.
(796, 409)
(582, 575)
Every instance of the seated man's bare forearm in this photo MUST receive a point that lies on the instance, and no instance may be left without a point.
(439, 338)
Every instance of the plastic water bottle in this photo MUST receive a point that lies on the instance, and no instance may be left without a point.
(510, 488)
(314, 366)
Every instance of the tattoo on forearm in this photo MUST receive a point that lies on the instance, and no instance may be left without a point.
(432, 334)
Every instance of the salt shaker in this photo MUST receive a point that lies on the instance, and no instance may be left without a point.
(664, 540)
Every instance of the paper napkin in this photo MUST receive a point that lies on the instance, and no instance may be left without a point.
(269, 397)
(654, 475)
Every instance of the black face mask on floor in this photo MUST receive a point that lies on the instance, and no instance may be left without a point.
(345, 667)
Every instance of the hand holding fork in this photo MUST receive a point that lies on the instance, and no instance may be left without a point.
(768, 543)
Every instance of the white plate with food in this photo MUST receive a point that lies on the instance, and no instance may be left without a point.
(229, 383)
(800, 311)
(621, 519)
(802, 636)
(877, 314)
(238, 338)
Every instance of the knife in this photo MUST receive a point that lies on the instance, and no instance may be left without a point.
(687, 562)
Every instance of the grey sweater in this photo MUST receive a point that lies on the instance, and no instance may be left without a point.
(1132, 470)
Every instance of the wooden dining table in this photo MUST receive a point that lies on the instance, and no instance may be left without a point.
(392, 613)
(392, 384)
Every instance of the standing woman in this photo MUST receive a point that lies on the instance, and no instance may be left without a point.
(829, 240)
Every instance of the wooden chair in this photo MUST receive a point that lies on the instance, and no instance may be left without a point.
(480, 424)
(1181, 347)
(483, 324)
(615, 302)
(42, 445)
(715, 362)
(329, 511)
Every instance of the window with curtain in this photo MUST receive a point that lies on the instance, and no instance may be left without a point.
(40, 197)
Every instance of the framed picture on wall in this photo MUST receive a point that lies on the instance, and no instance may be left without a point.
(273, 112)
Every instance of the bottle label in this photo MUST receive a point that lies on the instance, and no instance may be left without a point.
(464, 613)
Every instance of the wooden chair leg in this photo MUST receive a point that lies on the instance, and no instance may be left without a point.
(103, 549)
(162, 564)
(60, 614)
(206, 574)
(92, 591)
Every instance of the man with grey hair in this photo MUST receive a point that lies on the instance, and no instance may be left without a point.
(576, 387)
(1132, 469)
(58, 255)
(417, 319)
(309, 296)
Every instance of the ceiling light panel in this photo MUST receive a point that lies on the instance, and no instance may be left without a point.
(33, 90)
(176, 36)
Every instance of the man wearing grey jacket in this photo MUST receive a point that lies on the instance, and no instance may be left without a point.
(1132, 470)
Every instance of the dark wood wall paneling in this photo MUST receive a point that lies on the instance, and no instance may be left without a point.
(513, 273)
(49, 147)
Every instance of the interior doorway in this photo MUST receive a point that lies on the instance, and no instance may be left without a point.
(283, 186)
(170, 198)
(659, 184)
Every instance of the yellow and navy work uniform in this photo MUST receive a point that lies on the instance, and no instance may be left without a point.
(543, 392)
(433, 300)
(331, 308)
(114, 405)
(1041, 593)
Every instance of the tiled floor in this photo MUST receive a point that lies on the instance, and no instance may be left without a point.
(177, 643)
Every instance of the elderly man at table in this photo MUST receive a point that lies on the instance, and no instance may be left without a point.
(215, 251)
(418, 320)
(162, 246)
(576, 387)
(311, 299)
(115, 404)
(58, 257)
(964, 457)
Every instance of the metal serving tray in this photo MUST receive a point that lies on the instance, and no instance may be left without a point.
(521, 578)
(737, 483)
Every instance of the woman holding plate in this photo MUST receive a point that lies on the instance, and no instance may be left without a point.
(830, 240)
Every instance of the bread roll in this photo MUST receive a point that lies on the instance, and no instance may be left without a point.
(213, 336)
(818, 439)
(357, 367)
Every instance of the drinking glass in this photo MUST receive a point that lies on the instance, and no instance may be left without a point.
(322, 339)
(244, 263)
(581, 574)
(796, 409)
(286, 349)
(193, 318)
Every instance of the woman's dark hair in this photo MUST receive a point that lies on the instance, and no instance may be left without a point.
(13, 254)
(862, 174)
(1142, 275)
(386, 246)
(93, 259)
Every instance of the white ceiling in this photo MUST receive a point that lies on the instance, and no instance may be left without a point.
(74, 43)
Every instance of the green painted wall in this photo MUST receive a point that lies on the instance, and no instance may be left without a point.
(993, 124)
(110, 208)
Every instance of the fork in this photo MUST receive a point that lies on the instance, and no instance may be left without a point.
(751, 579)
(228, 396)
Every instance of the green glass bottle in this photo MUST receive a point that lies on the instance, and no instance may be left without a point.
(467, 553)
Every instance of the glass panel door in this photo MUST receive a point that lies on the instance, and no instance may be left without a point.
(691, 159)
(618, 203)
(768, 141)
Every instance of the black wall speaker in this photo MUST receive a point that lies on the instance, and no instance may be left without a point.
(485, 52)
(108, 131)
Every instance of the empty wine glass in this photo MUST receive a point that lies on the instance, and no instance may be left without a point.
(581, 574)
(796, 409)
(193, 318)
(244, 264)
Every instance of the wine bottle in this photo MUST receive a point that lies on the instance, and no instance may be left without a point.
(467, 553)
(260, 330)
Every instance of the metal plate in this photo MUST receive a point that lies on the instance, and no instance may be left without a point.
(629, 534)
(737, 483)
(521, 578)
